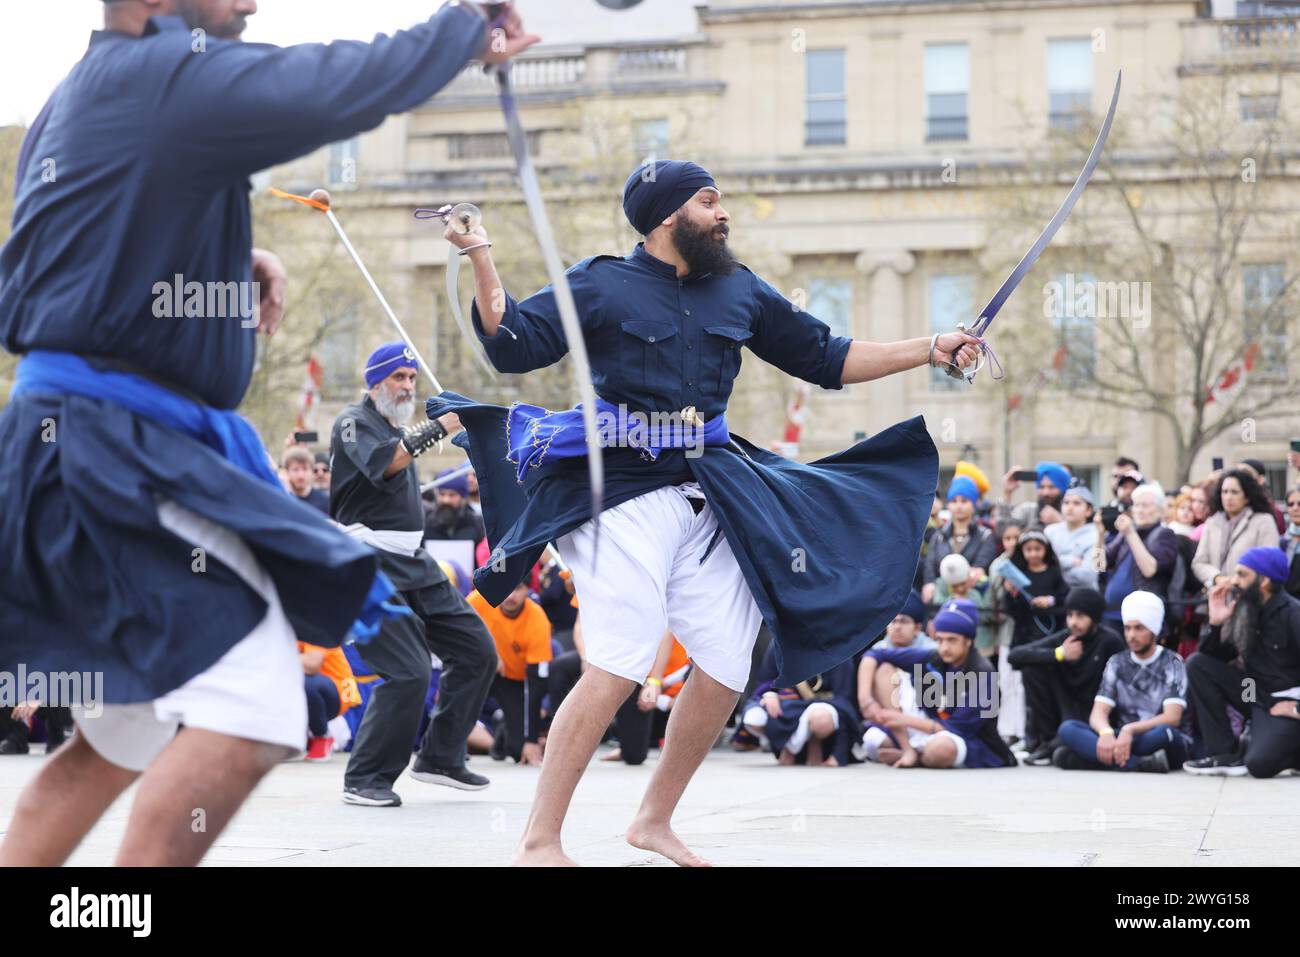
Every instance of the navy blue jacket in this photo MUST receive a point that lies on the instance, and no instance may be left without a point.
(828, 549)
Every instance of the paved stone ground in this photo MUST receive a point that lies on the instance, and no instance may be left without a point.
(742, 809)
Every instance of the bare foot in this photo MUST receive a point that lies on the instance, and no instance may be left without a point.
(546, 855)
(888, 756)
(615, 755)
(813, 752)
(830, 762)
(785, 757)
(908, 760)
(661, 839)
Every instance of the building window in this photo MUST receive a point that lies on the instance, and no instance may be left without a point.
(343, 162)
(1069, 82)
(1258, 106)
(947, 83)
(1074, 325)
(1265, 317)
(831, 301)
(826, 123)
(480, 146)
(652, 139)
(338, 353)
(950, 301)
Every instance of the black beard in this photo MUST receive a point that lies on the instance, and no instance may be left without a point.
(446, 515)
(1242, 626)
(703, 251)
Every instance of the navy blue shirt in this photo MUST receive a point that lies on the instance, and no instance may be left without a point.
(152, 146)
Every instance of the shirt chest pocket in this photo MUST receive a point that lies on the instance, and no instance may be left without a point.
(647, 354)
(722, 345)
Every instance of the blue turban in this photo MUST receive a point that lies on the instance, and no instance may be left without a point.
(1055, 472)
(1267, 561)
(959, 615)
(386, 360)
(965, 486)
(458, 484)
(914, 608)
(652, 194)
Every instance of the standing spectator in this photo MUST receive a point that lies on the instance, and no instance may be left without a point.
(1011, 689)
(1200, 495)
(931, 530)
(1037, 609)
(555, 595)
(1142, 555)
(958, 580)
(1184, 518)
(451, 519)
(1052, 481)
(1291, 541)
(910, 725)
(1241, 519)
(1074, 536)
(1143, 692)
(1249, 661)
(1123, 466)
(473, 500)
(321, 472)
(962, 536)
(1255, 468)
(1062, 672)
(522, 634)
(298, 464)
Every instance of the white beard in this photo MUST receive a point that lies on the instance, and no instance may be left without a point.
(396, 412)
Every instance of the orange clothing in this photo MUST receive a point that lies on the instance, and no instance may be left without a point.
(336, 668)
(677, 660)
(521, 641)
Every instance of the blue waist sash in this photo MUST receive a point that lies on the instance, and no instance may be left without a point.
(225, 432)
(534, 434)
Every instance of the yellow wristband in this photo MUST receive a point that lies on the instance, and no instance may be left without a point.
(1107, 731)
(654, 681)
(1060, 652)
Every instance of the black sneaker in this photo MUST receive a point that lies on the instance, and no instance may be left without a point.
(13, 746)
(1223, 765)
(461, 778)
(1157, 763)
(371, 797)
(1067, 760)
(1040, 758)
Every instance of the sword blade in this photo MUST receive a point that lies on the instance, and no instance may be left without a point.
(453, 296)
(568, 310)
(1012, 281)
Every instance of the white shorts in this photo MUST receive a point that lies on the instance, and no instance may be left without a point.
(649, 579)
(254, 691)
(874, 738)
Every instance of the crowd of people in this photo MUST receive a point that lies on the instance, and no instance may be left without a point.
(1154, 632)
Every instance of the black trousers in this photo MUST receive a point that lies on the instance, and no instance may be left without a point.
(635, 729)
(1214, 686)
(1049, 702)
(510, 696)
(445, 624)
(1274, 743)
(58, 725)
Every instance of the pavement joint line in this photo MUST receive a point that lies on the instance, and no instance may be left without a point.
(1200, 848)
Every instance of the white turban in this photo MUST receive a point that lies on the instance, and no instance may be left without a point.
(1144, 607)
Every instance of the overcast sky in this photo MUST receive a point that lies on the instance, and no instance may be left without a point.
(42, 40)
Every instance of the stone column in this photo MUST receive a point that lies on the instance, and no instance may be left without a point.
(886, 322)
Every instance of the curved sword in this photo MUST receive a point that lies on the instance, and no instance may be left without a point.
(1009, 285)
(468, 216)
(564, 303)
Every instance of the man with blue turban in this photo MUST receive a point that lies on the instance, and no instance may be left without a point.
(375, 496)
(708, 537)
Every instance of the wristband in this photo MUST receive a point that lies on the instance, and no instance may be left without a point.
(654, 681)
(1060, 652)
(421, 438)
(1107, 731)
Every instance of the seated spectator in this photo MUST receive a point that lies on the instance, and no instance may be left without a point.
(1037, 608)
(1142, 555)
(952, 727)
(555, 594)
(1241, 518)
(298, 467)
(1136, 719)
(1249, 661)
(1290, 542)
(1062, 671)
(958, 580)
(963, 535)
(1053, 479)
(522, 635)
(814, 723)
(18, 723)
(331, 691)
(447, 513)
(907, 629)
(1073, 538)
(643, 718)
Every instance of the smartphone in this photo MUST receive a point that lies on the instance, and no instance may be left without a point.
(306, 438)
(1217, 464)
(1025, 475)
(1295, 445)
(1108, 515)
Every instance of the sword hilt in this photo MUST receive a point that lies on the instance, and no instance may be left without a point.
(955, 371)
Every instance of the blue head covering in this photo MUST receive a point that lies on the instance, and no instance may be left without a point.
(965, 486)
(914, 608)
(386, 360)
(1268, 561)
(1055, 472)
(458, 484)
(655, 192)
(959, 615)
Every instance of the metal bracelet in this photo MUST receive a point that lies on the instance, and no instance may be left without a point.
(933, 341)
(469, 249)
